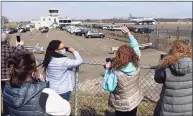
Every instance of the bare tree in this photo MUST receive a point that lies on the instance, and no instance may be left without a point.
(4, 20)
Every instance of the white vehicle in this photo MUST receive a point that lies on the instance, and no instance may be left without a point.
(76, 23)
(105, 27)
(75, 30)
(115, 28)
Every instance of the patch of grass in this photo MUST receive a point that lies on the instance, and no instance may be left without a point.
(146, 108)
(98, 105)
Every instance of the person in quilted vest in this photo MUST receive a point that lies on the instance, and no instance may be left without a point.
(127, 94)
(175, 73)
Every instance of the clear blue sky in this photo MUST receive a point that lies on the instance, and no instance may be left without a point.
(23, 11)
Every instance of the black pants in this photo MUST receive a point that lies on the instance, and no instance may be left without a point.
(5, 108)
(129, 113)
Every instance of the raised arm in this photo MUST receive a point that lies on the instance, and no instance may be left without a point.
(72, 63)
(132, 41)
(19, 48)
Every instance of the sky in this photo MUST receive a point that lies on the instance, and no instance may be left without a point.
(26, 11)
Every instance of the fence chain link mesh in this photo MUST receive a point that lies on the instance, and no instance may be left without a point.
(92, 100)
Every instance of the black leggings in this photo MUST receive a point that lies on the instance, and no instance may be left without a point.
(129, 113)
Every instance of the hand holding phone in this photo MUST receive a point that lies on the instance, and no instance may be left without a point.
(18, 38)
(70, 49)
(19, 43)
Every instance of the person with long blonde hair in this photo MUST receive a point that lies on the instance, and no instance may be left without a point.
(175, 73)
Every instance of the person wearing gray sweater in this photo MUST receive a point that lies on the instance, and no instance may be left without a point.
(175, 73)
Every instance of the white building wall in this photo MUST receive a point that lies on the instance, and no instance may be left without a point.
(46, 21)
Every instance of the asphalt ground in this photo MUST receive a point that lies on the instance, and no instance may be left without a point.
(94, 49)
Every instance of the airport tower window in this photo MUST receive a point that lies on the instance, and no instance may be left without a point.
(53, 11)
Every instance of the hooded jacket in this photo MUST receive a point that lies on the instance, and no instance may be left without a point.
(176, 95)
(24, 101)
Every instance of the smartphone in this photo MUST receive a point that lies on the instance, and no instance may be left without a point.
(66, 48)
(18, 38)
(162, 55)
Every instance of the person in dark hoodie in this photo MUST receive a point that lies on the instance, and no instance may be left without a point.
(27, 93)
(127, 94)
(175, 73)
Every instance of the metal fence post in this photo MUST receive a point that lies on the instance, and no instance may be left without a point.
(76, 93)
(157, 36)
(178, 33)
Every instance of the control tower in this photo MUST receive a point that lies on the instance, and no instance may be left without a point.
(53, 12)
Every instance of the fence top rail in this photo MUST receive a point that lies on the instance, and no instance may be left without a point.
(99, 63)
(102, 64)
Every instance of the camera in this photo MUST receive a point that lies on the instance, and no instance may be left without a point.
(162, 55)
(66, 48)
(110, 60)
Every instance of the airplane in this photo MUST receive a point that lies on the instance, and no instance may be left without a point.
(142, 20)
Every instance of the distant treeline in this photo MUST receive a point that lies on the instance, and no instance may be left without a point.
(114, 20)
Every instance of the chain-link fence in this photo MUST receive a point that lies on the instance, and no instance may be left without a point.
(90, 99)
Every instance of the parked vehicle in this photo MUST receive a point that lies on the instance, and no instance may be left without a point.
(82, 32)
(96, 26)
(136, 30)
(10, 30)
(27, 28)
(22, 30)
(74, 30)
(115, 28)
(145, 30)
(93, 34)
(105, 27)
(44, 30)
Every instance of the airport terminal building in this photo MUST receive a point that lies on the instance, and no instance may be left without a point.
(51, 21)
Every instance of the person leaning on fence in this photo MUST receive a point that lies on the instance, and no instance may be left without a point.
(27, 93)
(175, 73)
(6, 51)
(127, 94)
(59, 68)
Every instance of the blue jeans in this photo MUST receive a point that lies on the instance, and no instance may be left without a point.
(66, 95)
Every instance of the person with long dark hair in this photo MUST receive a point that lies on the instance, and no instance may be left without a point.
(175, 73)
(27, 92)
(58, 68)
(127, 94)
